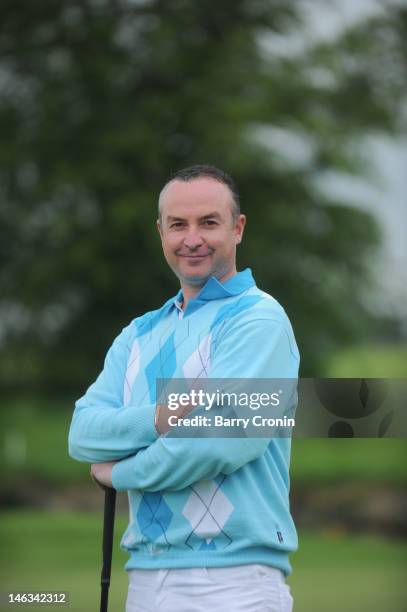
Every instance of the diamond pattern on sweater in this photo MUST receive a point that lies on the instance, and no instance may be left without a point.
(154, 516)
(163, 365)
(208, 510)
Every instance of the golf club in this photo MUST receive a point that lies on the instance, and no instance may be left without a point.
(107, 546)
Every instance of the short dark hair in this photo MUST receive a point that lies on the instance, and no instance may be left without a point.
(206, 170)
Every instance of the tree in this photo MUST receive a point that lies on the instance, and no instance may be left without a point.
(102, 100)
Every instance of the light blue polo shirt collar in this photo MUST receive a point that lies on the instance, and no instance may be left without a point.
(214, 290)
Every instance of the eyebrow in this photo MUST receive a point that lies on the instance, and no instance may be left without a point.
(209, 216)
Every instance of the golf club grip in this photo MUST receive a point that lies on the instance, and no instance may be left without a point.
(108, 530)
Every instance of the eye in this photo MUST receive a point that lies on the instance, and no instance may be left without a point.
(177, 224)
(210, 222)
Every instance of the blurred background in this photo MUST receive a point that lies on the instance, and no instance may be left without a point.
(304, 103)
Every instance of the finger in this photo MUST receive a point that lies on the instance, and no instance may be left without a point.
(99, 484)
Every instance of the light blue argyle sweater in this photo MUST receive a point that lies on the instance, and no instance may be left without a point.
(205, 502)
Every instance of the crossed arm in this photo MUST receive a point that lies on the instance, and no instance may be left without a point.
(125, 448)
(102, 472)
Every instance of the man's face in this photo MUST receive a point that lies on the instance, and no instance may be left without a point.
(198, 232)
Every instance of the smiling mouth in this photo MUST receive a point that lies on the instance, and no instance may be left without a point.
(194, 256)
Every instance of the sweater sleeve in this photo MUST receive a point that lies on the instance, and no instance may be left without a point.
(103, 428)
(259, 348)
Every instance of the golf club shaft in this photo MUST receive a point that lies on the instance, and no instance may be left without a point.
(108, 530)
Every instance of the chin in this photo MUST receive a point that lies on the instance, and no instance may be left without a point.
(196, 280)
(196, 276)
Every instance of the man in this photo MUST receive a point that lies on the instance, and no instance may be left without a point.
(210, 526)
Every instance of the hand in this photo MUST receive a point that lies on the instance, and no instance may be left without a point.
(162, 414)
(102, 473)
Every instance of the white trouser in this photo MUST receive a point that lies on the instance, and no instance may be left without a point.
(244, 588)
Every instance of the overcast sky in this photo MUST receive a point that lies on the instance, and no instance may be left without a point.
(385, 193)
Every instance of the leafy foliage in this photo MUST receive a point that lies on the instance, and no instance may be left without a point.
(101, 100)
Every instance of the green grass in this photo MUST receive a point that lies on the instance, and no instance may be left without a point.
(49, 551)
(333, 573)
(59, 552)
(334, 460)
(35, 442)
(375, 361)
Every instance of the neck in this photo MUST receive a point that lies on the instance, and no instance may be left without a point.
(191, 291)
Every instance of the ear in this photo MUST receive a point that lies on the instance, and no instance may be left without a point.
(159, 228)
(239, 228)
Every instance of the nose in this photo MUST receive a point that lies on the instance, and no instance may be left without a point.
(193, 240)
